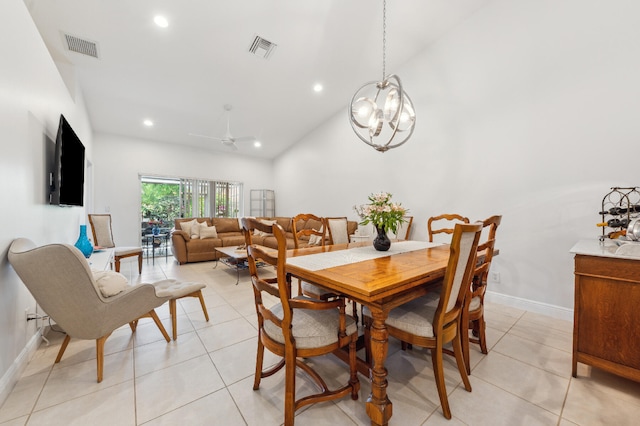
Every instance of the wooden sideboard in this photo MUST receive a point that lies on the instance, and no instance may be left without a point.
(606, 311)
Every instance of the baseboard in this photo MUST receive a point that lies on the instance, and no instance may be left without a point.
(531, 305)
(10, 378)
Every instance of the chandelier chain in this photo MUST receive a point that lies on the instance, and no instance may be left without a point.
(384, 39)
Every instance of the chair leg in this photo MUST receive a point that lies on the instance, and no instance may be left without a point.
(117, 260)
(153, 315)
(457, 352)
(100, 355)
(353, 369)
(63, 348)
(289, 387)
(204, 307)
(140, 263)
(174, 320)
(438, 371)
(481, 335)
(259, 359)
(463, 333)
(133, 324)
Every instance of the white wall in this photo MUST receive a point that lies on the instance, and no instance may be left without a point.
(119, 161)
(32, 97)
(528, 110)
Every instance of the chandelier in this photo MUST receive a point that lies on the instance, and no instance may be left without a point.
(381, 113)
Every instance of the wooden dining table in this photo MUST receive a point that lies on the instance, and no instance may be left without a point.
(378, 280)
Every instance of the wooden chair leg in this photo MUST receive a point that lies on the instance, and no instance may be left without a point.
(204, 307)
(259, 359)
(155, 318)
(117, 260)
(289, 387)
(481, 335)
(457, 352)
(463, 333)
(133, 324)
(100, 355)
(140, 263)
(438, 372)
(174, 320)
(63, 348)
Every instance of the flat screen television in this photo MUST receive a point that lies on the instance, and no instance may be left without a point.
(67, 180)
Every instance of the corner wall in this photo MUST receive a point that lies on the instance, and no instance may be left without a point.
(32, 97)
(527, 109)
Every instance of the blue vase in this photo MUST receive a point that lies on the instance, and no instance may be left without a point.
(83, 244)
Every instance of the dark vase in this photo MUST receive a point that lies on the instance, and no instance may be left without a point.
(83, 244)
(381, 242)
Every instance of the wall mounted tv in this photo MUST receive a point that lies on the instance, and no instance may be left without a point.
(67, 179)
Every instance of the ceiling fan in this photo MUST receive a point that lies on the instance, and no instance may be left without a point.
(228, 139)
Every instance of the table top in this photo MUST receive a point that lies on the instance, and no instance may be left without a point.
(101, 260)
(608, 248)
(232, 252)
(375, 280)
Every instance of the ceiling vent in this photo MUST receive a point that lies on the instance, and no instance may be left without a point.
(262, 48)
(79, 45)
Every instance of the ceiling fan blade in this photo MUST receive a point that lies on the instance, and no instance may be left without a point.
(205, 136)
(233, 146)
(245, 139)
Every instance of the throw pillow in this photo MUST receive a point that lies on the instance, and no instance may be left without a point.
(110, 283)
(315, 240)
(196, 229)
(208, 232)
(266, 222)
(186, 226)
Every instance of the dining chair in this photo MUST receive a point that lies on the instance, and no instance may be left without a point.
(404, 229)
(60, 280)
(305, 234)
(337, 227)
(443, 224)
(296, 328)
(431, 321)
(103, 236)
(473, 312)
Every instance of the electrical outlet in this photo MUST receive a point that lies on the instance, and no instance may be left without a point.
(495, 277)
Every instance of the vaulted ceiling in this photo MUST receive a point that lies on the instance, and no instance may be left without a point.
(181, 76)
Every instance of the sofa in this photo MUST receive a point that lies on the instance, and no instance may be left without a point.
(197, 243)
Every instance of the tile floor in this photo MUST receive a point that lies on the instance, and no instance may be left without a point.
(206, 376)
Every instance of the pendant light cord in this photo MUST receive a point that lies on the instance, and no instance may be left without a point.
(384, 39)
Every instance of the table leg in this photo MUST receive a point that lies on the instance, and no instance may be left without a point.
(379, 407)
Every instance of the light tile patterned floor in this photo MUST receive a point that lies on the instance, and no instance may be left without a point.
(206, 376)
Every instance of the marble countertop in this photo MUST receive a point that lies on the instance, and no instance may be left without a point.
(608, 248)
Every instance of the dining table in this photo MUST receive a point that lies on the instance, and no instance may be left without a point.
(379, 280)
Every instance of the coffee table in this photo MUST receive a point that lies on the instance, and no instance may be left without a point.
(235, 259)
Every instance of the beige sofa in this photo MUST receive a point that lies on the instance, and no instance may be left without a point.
(229, 233)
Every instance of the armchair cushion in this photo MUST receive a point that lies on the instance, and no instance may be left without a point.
(110, 283)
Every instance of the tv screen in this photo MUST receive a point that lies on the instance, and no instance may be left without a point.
(67, 183)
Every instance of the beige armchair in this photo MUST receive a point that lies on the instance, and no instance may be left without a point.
(59, 278)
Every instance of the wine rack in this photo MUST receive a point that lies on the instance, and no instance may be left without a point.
(618, 208)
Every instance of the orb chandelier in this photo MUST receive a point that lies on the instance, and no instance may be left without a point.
(381, 113)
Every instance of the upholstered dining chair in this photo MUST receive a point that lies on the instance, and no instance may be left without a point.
(338, 232)
(296, 328)
(59, 278)
(404, 229)
(431, 321)
(103, 237)
(443, 224)
(473, 312)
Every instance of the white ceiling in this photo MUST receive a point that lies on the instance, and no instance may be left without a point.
(181, 76)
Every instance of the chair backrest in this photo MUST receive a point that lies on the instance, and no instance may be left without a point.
(310, 226)
(444, 227)
(280, 286)
(404, 229)
(460, 268)
(59, 278)
(479, 285)
(101, 230)
(338, 233)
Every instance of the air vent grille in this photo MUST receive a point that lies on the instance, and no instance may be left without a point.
(261, 47)
(79, 45)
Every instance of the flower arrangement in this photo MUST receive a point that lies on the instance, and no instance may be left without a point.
(381, 212)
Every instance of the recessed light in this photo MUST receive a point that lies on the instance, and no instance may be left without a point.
(161, 21)
(317, 88)
(148, 123)
(257, 144)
